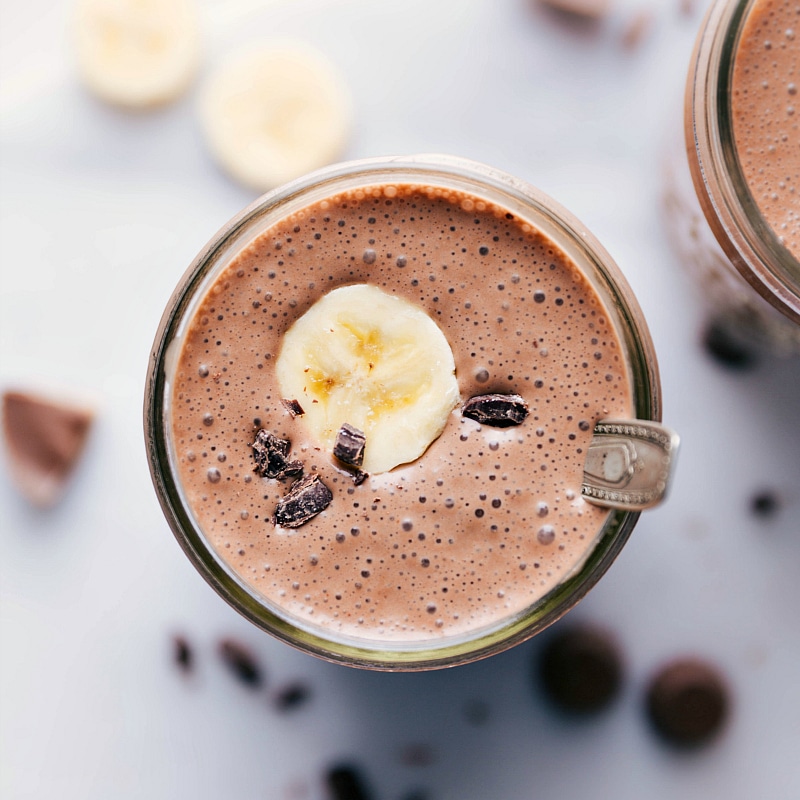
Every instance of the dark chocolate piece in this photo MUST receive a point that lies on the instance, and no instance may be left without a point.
(242, 663)
(688, 702)
(271, 455)
(580, 669)
(349, 446)
(345, 783)
(293, 407)
(306, 498)
(359, 476)
(497, 410)
(44, 441)
(721, 344)
(292, 696)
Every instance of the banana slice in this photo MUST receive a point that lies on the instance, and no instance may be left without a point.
(273, 114)
(137, 53)
(373, 360)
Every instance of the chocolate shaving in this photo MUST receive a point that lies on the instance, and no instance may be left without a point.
(497, 410)
(359, 476)
(271, 455)
(293, 407)
(306, 498)
(349, 446)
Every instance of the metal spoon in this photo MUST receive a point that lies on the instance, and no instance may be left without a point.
(629, 464)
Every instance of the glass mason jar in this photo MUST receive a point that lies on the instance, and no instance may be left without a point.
(750, 280)
(449, 173)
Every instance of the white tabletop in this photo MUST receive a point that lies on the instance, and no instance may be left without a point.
(100, 213)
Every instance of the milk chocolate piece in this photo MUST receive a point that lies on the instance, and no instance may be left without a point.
(306, 498)
(241, 662)
(349, 446)
(293, 407)
(497, 410)
(345, 783)
(44, 441)
(271, 455)
(688, 702)
(580, 669)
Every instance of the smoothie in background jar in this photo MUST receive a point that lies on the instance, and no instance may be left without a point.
(485, 538)
(734, 213)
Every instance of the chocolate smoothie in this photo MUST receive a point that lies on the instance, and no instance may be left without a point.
(489, 519)
(766, 114)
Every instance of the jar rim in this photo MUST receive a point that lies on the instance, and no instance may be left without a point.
(430, 170)
(731, 211)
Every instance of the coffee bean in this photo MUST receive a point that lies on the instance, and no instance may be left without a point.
(580, 669)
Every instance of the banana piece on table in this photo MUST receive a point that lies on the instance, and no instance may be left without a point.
(137, 53)
(275, 113)
(375, 361)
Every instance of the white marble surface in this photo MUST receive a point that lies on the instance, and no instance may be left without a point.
(101, 211)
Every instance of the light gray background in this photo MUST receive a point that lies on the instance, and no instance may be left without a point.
(100, 213)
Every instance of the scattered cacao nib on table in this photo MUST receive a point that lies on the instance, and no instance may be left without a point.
(182, 654)
(344, 782)
(242, 663)
(291, 697)
(721, 345)
(306, 498)
(688, 702)
(580, 669)
(497, 410)
(271, 454)
(349, 445)
(44, 441)
(765, 504)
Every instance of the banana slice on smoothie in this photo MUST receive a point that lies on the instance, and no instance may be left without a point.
(275, 113)
(137, 53)
(373, 361)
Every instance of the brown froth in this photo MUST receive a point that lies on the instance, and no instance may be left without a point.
(766, 114)
(450, 542)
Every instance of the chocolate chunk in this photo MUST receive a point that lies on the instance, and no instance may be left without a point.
(271, 455)
(687, 702)
(242, 663)
(349, 446)
(580, 669)
(721, 344)
(497, 410)
(345, 783)
(359, 476)
(293, 407)
(306, 498)
(44, 441)
(292, 696)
